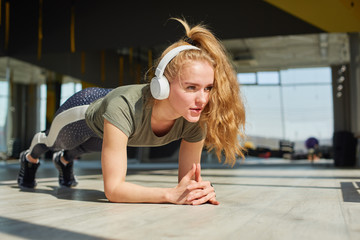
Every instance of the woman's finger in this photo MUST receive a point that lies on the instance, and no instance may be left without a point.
(204, 199)
(198, 173)
(214, 201)
(196, 194)
(198, 185)
(199, 193)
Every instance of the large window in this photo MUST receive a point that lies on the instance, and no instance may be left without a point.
(3, 113)
(68, 89)
(292, 104)
(43, 97)
(259, 78)
(263, 111)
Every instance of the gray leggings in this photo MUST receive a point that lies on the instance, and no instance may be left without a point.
(69, 131)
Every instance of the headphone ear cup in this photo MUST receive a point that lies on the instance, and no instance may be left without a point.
(160, 88)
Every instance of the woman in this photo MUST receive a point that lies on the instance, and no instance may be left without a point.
(194, 97)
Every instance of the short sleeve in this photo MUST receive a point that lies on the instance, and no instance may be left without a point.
(193, 132)
(119, 113)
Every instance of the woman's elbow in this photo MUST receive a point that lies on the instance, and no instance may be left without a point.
(114, 193)
(110, 193)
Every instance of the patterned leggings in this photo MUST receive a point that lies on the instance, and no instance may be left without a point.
(69, 131)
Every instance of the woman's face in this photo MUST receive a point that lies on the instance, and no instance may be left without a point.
(190, 90)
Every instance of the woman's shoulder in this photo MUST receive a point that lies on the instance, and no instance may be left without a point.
(130, 90)
(131, 96)
(129, 93)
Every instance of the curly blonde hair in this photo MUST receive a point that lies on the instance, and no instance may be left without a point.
(224, 116)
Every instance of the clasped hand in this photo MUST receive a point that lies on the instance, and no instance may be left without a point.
(194, 192)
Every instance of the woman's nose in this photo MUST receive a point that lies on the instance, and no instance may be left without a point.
(201, 97)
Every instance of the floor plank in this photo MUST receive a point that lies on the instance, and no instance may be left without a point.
(262, 199)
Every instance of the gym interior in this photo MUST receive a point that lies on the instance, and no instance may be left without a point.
(297, 64)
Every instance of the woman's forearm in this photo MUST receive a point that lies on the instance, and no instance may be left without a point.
(126, 192)
(187, 191)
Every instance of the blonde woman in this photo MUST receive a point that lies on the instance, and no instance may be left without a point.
(193, 97)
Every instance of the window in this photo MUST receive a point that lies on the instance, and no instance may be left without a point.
(246, 78)
(260, 78)
(306, 76)
(308, 111)
(43, 97)
(268, 78)
(292, 104)
(263, 110)
(68, 89)
(4, 88)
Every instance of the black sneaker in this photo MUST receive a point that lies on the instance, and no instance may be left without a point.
(26, 177)
(66, 173)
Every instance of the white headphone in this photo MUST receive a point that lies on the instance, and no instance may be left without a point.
(159, 85)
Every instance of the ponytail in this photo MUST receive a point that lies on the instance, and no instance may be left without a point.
(224, 116)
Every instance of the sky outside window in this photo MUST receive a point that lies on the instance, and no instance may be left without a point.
(246, 78)
(298, 108)
(268, 78)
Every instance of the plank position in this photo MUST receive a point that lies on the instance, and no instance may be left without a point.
(194, 97)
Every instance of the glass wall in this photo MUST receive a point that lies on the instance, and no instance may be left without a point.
(42, 111)
(68, 89)
(3, 112)
(292, 104)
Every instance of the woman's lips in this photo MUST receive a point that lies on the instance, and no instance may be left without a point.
(197, 110)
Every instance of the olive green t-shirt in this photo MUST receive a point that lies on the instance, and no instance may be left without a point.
(125, 107)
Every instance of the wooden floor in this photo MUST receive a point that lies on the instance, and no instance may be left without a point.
(261, 199)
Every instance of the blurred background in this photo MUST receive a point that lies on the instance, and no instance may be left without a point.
(297, 63)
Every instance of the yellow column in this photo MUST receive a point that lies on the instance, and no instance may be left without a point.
(7, 24)
(40, 32)
(72, 30)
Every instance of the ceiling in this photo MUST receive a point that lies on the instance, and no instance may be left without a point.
(258, 34)
(292, 51)
(248, 55)
(110, 24)
(329, 15)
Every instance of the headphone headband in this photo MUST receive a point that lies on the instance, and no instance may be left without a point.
(159, 85)
(169, 56)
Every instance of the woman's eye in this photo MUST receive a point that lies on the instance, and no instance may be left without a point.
(191, 88)
(208, 89)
